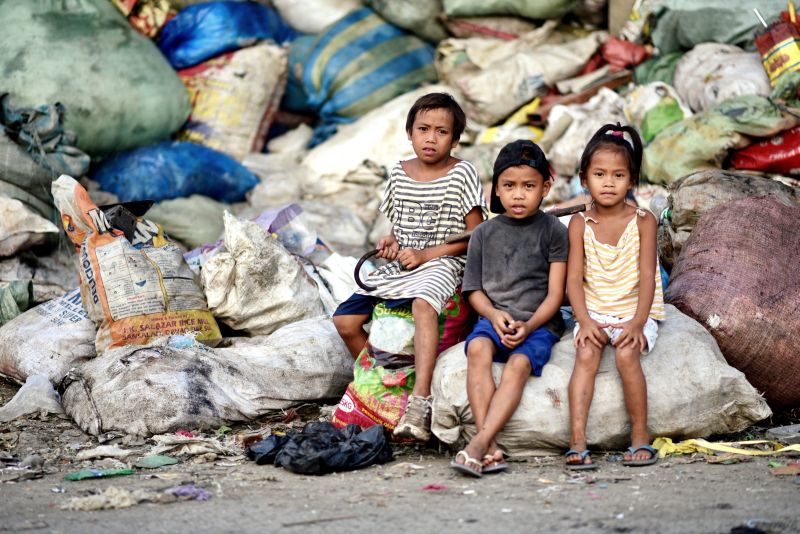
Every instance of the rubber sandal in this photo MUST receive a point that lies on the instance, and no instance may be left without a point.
(581, 466)
(496, 466)
(639, 463)
(464, 468)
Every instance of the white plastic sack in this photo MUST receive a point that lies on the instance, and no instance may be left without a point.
(691, 392)
(47, 340)
(311, 16)
(603, 108)
(36, 396)
(176, 383)
(378, 137)
(645, 97)
(711, 73)
(256, 285)
(506, 76)
(281, 179)
(20, 228)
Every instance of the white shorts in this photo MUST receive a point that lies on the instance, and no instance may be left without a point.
(650, 329)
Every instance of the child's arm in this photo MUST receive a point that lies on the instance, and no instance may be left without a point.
(632, 331)
(547, 309)
(411, 258)
(501, 320)
(590, 329)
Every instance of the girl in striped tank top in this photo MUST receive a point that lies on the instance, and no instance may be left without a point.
(614, 287)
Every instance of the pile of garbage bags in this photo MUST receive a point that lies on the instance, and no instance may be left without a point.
(185, 189)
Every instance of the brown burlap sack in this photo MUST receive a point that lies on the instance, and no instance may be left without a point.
(695, 194)
(737, 275)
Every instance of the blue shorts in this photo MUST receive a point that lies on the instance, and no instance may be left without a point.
(359, 304)
(536, 347)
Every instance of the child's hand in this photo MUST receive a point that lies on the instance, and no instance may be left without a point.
(591, 331)
(411, 258)
(632, 335)
(388, 247)
(519, 331)
(501, 322)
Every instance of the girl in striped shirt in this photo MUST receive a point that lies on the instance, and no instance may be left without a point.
(614, 287)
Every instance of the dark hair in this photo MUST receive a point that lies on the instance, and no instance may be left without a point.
(439, 101)
(610, 137)
(514, 154)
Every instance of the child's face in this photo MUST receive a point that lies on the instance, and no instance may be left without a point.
(521, 190)
(608, 177)
(431, 135)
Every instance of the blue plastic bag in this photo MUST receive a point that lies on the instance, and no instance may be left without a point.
(360, 62)
(202, 31)
(173, 170)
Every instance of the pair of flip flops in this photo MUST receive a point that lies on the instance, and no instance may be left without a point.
(639, 463)
(475, 468)
(583, 466)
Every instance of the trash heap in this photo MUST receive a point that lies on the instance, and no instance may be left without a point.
(216, 169)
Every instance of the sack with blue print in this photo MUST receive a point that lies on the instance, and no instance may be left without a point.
(361, 62)
(202, 31)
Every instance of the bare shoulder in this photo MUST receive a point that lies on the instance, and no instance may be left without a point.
(645, 218)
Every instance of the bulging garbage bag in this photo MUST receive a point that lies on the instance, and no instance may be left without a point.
(47, 340)
(737, 274)
(204, 30)
(175, 383)
(35, 396)
(691, 392)
(312, 16)
(173, 170)
(116, 87)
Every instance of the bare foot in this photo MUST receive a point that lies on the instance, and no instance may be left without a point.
(493, 454)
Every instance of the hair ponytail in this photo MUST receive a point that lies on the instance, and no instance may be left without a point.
(612, 136)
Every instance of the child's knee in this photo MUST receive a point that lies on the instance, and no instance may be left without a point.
(520, 365)
(627, 358)
(422, 308)
(480, 349)
(588, 356)
(347, 325)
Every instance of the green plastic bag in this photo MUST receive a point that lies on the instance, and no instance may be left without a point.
(118, 90)
(541, 9)
(657, 69)
(15, 298)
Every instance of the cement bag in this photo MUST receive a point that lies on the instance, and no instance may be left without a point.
(712, 72)
(653, 107)
(420, 17)
(694, 195)
(137, 287)
(313, 16)
(118, 90)
(737, 274)
(202, 31)
(21, 229)
(257, 286)
(194, 221)
(542, 9)
(683, 24)
(174, 169)
(47, 340)
(383, 374)
(379, 137)
(361, 62)
(175, 383)
(691, 392)
(493, 92)
(703, 140)
(603, 108)
(234, 99)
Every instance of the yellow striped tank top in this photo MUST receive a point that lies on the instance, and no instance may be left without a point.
(611, 273)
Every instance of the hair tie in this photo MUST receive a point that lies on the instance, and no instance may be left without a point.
(617, 133)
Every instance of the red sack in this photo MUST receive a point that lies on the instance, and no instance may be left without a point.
(779, 154)
(621, 54)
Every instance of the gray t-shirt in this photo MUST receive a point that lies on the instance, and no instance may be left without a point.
(509, 260)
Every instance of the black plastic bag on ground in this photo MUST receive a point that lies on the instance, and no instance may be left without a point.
(321, 448)
(265, 451)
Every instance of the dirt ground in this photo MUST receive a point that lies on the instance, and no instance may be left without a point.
(416, 492)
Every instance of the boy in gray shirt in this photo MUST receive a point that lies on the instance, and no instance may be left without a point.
(514, 278)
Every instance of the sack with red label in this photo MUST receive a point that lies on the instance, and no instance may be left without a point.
(135, 284)
(383, 374)
(779, 154)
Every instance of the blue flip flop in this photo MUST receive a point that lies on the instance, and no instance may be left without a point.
(639, 463)
(581, 466)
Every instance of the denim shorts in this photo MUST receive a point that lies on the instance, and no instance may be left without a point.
(536, 347)
(359, 304)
